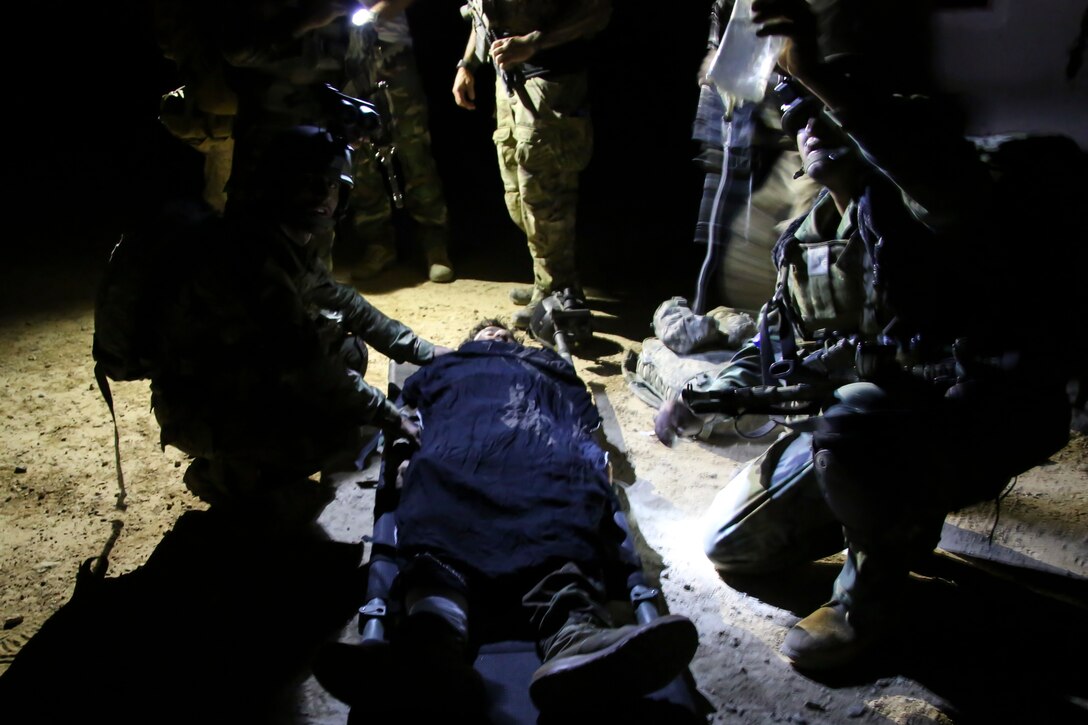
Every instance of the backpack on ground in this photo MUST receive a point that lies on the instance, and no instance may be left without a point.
(688, 351)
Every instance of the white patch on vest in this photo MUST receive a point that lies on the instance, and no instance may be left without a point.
(819, 261)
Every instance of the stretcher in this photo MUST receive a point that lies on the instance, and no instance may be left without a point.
(507, 660)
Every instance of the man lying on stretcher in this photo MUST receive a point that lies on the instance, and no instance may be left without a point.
(506, 507)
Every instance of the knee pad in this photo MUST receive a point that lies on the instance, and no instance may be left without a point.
(772, 514)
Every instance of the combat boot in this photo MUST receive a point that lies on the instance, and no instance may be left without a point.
(520, 319)
(439, 268)
(522, 296)
(426, 673)
(828, 638)
(435, 664)
(586, 662)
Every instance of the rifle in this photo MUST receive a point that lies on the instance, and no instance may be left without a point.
(372, 59)
(798, 399)
(815, 378)
(812, 382)
(513, 80)
(385, 151)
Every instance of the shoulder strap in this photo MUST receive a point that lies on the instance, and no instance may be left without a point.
(107, 395)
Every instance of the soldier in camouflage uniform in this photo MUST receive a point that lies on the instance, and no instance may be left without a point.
(543, 134)
(280, 56)
(893, 303)
(201, 111)
(261, 355)
(381, 67)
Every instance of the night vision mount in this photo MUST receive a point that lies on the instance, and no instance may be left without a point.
(351, 119)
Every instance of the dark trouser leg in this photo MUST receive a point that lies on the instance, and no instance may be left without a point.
(425, 672)
(588, 661)
(565, 596)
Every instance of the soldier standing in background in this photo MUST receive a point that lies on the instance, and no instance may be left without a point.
(280, 58)
(201, 111)
(381, 67)
(543, 135)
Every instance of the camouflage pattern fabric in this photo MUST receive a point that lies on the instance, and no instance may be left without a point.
(210, 134)
(262, 355)
(279, 81)
(424, 198)
(541, 153)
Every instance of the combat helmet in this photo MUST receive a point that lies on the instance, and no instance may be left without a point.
(293, 169)
(287, 165)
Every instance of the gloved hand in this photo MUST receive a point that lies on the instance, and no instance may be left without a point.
(410, 427)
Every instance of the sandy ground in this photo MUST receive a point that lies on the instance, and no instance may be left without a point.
(983, 643)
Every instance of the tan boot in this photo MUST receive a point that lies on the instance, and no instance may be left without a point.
(521, 318)
(439, 268)
(522, 296)
(826, 639)
(634, 660)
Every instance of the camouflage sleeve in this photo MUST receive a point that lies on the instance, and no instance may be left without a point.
(289, 336)
(386, 335)
(252, 37)
(340, 393)
(910, 141)
(743, 371)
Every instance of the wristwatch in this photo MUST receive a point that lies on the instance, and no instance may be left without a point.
(466, 64)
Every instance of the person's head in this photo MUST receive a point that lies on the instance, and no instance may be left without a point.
(828, 155)
(302, 179)
(491, 329)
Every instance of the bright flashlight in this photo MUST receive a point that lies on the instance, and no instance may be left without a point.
(362, 16)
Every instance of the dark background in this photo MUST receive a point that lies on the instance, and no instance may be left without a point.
(89, 157)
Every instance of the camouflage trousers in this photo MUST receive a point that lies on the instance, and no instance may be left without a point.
(413, 173)
(541, 151)
(877, 476)
(218, 155)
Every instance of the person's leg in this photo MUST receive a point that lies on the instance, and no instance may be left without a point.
(218, 154)
(587, 659)
(368, 245)
(425, 669)
(891, 465)
(772, 514)
(541, 153)
(424, 197)
(506, 149)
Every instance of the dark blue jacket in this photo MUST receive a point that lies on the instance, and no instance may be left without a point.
(509, 477)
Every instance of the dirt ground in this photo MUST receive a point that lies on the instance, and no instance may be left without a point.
(984, 642)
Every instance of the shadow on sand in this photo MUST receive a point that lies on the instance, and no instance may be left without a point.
(218, 625)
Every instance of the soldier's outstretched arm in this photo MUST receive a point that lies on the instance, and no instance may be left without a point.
(587, 20)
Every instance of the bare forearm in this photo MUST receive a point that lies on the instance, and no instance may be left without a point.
(588, 20)
(386, 9)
